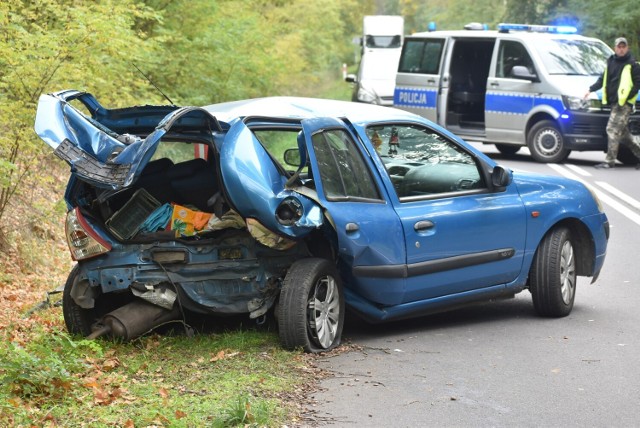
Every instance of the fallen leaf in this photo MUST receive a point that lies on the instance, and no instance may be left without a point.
(163, 393)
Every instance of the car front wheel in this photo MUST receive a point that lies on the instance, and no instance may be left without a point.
(552, 280)
(311, 308)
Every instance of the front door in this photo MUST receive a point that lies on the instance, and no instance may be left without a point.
(508, 99)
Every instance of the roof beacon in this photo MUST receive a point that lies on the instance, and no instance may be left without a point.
(554, 29)
(476, 26)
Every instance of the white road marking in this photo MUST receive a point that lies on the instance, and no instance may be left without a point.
(619, 194)
(605, 198)
(583, 172)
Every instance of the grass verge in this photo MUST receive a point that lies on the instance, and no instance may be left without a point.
(232, 377)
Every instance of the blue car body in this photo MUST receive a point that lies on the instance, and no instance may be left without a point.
(413, 219)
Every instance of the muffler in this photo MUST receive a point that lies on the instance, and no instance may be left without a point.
(133, 320)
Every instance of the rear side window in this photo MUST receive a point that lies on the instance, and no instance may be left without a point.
(421, 56)
(343, 171)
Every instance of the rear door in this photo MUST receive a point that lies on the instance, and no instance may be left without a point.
(369, 232)
(419, 76)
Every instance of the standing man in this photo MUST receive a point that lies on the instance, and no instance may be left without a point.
(620, 82)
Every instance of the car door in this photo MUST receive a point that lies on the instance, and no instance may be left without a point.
(509, 100)
(369, 233)
(460, 233)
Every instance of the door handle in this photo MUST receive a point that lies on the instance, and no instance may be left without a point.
(494, 84)
(423, 225)
(351, 227)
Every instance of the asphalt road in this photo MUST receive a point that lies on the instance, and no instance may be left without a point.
(498, 364)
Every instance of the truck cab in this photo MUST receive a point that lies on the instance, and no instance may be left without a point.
(380, 48)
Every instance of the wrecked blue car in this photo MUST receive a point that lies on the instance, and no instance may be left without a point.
(300, 209)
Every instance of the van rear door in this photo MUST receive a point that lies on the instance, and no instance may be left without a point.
(419, 76)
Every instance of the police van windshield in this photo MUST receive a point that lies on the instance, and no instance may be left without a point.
(573, 57)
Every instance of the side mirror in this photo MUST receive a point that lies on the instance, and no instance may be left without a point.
(522, 72)
(501, 177)
(351, 78)
(292, 157)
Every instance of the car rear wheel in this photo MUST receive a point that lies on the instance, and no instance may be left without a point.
(77, 319)
(546, 143)
(552, 280)
(311, 308)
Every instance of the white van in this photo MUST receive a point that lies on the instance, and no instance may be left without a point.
(520, 85)
(381, 44)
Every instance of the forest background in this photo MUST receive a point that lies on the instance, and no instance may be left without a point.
(197, 52)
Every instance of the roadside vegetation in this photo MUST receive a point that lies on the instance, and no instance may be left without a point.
(195, 52)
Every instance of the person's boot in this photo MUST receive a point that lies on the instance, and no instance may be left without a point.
(605, 165)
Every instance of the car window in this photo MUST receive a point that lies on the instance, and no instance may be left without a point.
(421, 56)
(178, 151)
(510, 54)
(277, 141)
(421, 162)
(343, 171)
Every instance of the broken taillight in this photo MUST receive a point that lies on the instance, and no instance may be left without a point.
(83, 241)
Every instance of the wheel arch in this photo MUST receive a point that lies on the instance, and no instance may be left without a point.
(583, 244)
(539, 117)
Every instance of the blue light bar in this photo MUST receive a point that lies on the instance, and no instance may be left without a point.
(553, 29)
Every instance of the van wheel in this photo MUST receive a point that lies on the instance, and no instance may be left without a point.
(311, 307)
(546, 143)
(507, 149)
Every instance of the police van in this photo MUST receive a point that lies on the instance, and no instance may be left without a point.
(519, 85)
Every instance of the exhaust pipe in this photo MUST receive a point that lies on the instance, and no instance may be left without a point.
(133, 320)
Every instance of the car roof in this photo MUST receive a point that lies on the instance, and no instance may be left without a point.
(306, 108)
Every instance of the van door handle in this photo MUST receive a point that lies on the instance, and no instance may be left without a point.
(494, 84)
(432, 81)
(423, 225)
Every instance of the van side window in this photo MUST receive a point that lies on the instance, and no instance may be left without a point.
(422, 163)
(421, 56)
(510, 54)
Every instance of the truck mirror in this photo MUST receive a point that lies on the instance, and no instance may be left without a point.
(351, 78)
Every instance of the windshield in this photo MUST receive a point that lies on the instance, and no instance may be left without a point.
(573, 57)
(383, 41)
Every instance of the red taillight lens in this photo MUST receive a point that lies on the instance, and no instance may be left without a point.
(83, 241)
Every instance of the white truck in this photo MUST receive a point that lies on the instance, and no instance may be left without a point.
(381, 45)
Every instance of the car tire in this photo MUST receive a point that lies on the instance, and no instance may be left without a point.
(552, 279)
(546, 143)
(301, 323)
(508, 149)
(77, 319)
